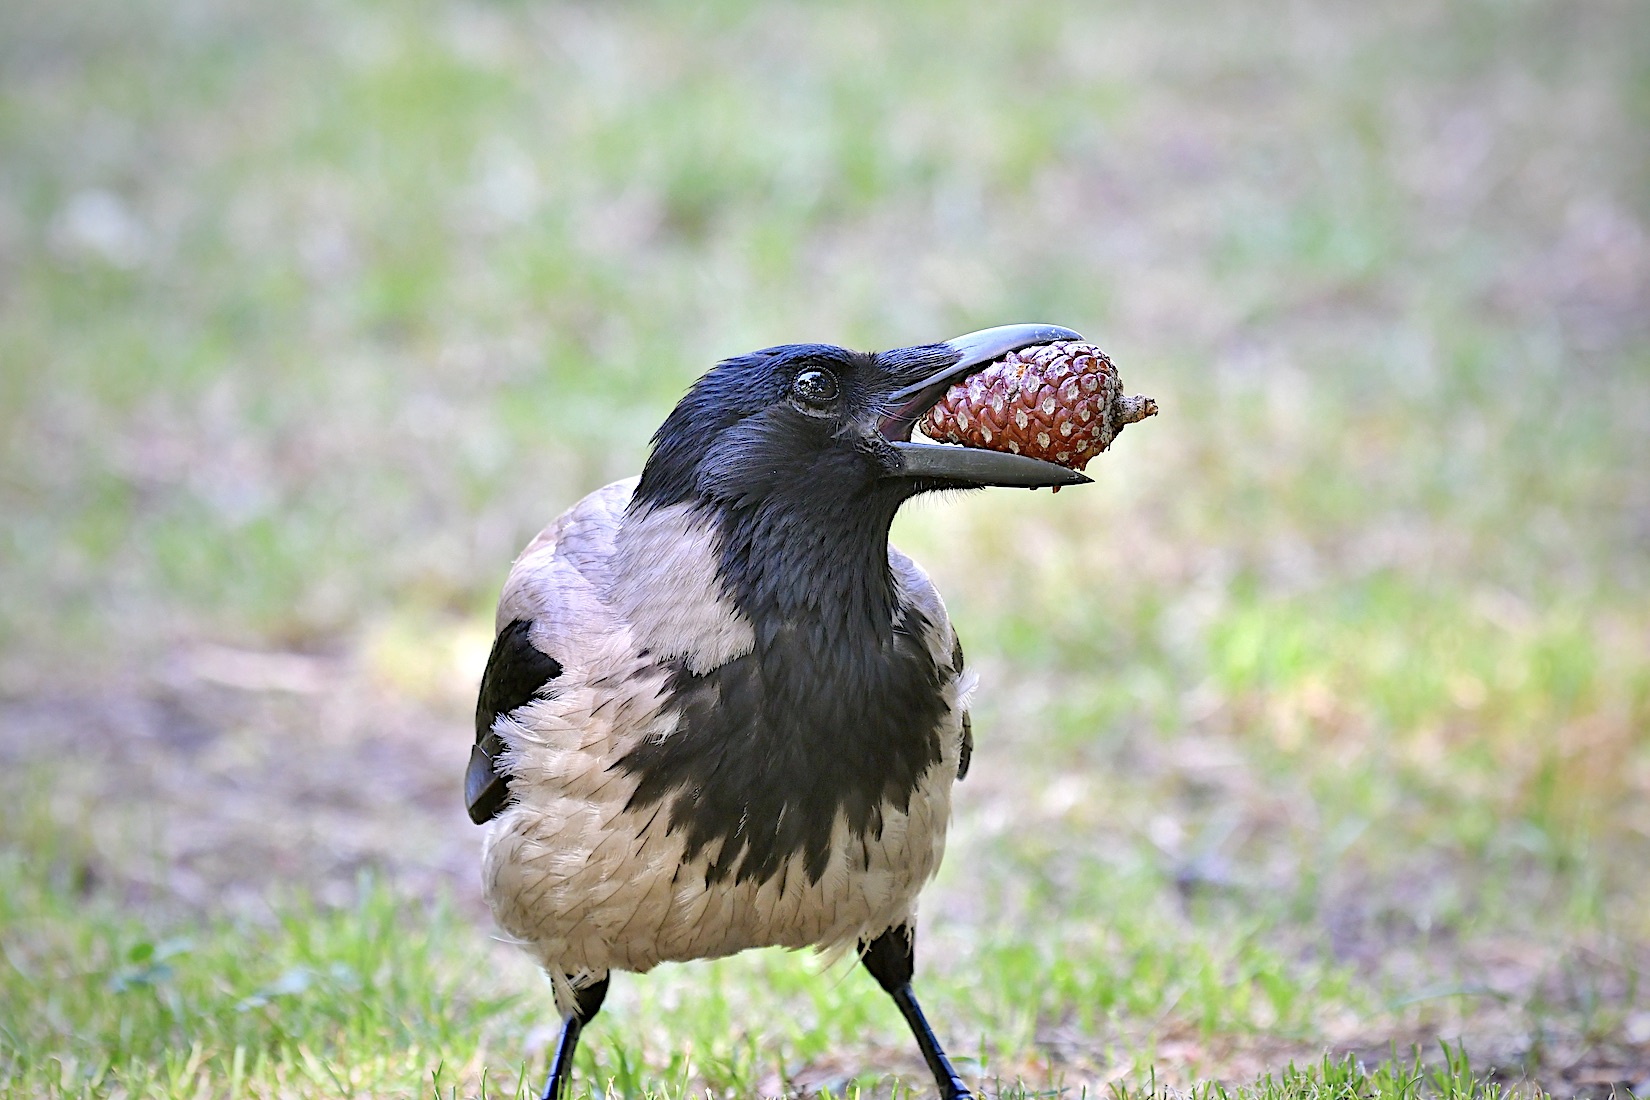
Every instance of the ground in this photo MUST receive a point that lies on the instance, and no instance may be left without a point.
(1315, 734)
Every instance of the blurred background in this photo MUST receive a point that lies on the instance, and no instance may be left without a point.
(1321, 722)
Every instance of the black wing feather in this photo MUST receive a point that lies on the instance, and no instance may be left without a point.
(517, 673)
(966, 753)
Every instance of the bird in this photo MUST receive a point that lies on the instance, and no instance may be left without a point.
(721, 711)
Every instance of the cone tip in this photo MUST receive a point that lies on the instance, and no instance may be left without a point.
(1137, 408)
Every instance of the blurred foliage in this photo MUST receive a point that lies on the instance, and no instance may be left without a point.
(313, 313)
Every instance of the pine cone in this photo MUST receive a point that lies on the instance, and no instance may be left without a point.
(1061, 402)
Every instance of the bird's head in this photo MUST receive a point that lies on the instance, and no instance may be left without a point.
(817, 425)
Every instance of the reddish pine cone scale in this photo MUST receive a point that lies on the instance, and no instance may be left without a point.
(1060, 402)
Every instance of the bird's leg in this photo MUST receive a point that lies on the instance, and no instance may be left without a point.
(891, 959)
(587, 1002)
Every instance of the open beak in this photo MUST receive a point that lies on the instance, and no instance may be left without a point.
(926, 372)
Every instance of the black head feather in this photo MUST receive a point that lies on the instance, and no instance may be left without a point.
(742, 428)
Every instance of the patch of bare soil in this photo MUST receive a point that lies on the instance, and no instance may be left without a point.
(229, 776)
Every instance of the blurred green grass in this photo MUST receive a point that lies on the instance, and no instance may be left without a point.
(1333, 693)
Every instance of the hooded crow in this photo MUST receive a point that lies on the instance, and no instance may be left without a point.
(722, 712)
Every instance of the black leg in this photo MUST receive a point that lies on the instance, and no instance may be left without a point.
(891, 959)
(588, 1002)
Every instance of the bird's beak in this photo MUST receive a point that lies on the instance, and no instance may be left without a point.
(926, 372)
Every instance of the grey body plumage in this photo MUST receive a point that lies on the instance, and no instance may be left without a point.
(721, 711)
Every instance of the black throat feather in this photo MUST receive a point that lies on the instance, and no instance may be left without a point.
(835, 711)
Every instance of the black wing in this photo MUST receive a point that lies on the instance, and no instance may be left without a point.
(966, 755)
(517, 673)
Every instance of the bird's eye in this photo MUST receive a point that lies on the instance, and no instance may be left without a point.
(815, 387)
